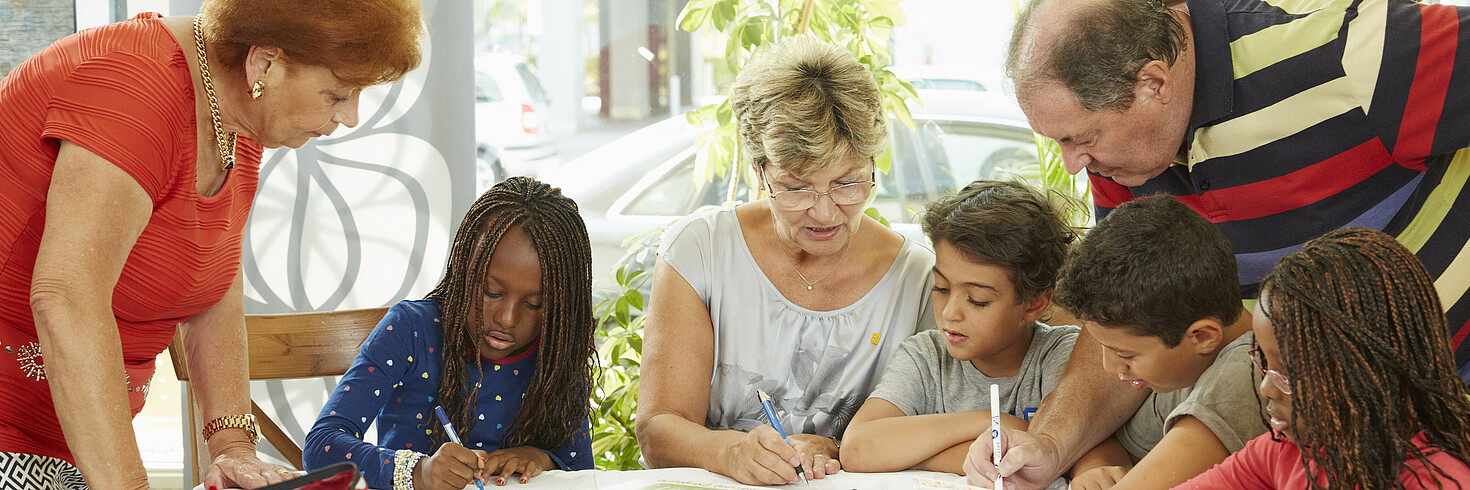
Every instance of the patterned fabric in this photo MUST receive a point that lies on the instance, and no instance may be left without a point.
(19, 471)
(394, 381)
(123, 92)
(1314, 115)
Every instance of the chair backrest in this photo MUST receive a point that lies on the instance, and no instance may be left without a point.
(284, 346)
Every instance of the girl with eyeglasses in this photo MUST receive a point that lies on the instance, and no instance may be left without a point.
(1359, 379)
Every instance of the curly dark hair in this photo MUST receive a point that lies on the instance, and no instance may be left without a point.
(1154, 267)
(555, 404)
(1096, 52)
(1008, 224)
(1364, 341)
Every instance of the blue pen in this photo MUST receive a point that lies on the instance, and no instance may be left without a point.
(453, 437)
(775, 422)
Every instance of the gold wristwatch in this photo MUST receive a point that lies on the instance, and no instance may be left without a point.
(241, 421)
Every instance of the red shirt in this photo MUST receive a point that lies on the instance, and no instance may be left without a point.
(1267, 464)
(122, 91)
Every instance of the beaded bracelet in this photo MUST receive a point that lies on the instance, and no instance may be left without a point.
(404, 462)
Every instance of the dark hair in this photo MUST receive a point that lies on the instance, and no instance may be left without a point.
(1154, 267)
(1096, 51)
(363, 42)
(555, 404)
(1364, 341)
(1007, 224)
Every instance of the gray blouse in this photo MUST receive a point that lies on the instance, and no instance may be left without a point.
(817, 366)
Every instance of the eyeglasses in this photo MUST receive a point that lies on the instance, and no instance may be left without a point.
(802, 199)
(1277, 379)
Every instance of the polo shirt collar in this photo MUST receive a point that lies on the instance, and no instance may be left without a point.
(1213, 75)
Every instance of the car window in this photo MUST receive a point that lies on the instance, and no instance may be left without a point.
(533, 84)
(671, 195)
(947, 84)
(485, 88)
(943, 156)
(675, 194)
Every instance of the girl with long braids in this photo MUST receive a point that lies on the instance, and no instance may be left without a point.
(1358, 377)
(504, 343)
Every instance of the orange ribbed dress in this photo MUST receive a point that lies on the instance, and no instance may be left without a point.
(122, 91)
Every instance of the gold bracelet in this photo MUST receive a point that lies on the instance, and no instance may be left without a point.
(237, 421)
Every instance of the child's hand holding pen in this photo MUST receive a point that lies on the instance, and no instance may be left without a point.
(452, 466)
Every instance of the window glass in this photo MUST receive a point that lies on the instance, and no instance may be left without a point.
(485, 88)
(533, 84)
(946, 84)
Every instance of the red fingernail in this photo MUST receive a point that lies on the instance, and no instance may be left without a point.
(523, 480)
(501, 481)
(212, 487)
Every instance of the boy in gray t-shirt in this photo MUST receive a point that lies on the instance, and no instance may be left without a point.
(1155, 284)
(923, 378)
(997, 248)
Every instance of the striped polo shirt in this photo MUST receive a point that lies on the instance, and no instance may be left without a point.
(1313, 115)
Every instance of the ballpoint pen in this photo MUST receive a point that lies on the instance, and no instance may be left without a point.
(775, 422)
(453, 437)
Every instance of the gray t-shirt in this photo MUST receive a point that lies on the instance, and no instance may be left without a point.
(924, 379)
(818, 366)
(1224, 398)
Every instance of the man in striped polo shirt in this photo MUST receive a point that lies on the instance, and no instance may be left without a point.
(1278, 120)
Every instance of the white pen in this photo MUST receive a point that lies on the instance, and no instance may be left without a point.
(995, 432)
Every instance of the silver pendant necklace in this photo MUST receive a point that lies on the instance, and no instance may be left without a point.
(810, 284)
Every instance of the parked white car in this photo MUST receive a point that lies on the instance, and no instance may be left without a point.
(949, 77)
(510, 106)
(644, 181)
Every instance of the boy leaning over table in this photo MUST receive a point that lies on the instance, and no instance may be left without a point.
(1155, 284)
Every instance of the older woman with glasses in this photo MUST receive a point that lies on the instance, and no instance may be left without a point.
(800, 294)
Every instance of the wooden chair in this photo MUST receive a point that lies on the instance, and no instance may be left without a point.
(284, 346)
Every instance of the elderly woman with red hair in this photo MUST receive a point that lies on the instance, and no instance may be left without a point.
(128, 164)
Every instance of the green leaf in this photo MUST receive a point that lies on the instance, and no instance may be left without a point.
(884, 162)
(724, 112)
(880, 23)
(694, 16)
(724, 12)
(873, 213)
(900, 111)
(888, 9)
(752, 34)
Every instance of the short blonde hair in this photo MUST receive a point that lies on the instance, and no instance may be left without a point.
(808, 104)
(363, 42)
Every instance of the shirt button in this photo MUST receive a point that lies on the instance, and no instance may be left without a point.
(1204, 185)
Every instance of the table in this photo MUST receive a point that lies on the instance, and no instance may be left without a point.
(643, 479)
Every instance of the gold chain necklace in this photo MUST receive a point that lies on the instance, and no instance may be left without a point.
(225, 144)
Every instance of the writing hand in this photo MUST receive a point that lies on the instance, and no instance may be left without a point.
(1030, 461)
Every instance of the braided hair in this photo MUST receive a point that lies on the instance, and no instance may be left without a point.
(1365, 344)
(555, 405)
